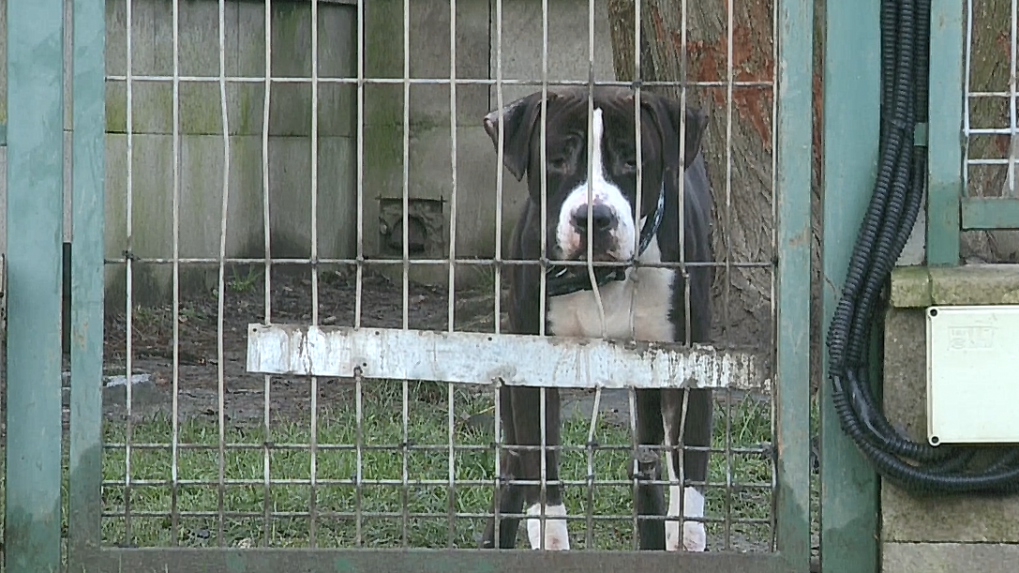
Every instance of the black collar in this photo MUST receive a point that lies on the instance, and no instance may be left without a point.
(561, 280)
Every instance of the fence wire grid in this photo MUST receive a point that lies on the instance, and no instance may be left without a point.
(990, 126)
(366, 215)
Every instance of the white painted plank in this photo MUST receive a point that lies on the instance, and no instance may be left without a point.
(514, 360)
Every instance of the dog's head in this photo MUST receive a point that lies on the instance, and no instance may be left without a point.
(609, 178)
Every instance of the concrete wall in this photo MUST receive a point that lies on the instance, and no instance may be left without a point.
(958, 533)
(201, 145)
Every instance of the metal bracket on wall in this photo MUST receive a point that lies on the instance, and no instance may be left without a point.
(920, 135)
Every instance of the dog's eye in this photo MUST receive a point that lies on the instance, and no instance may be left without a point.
(558, 163)
(630, 163)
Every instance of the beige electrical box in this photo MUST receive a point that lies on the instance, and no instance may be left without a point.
(973, 374)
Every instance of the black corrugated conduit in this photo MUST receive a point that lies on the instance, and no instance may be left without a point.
(897, 198)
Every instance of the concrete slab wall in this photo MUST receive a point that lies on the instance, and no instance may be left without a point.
(200, 149)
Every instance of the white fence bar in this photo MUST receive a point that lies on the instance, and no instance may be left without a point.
(513, 360)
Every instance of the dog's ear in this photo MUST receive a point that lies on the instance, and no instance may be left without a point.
(516, 121)
(669, 117)
(696, 124)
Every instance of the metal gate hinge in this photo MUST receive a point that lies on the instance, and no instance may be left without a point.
(3, 294)
(920, 135)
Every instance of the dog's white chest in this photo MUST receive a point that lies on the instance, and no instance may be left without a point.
(635, 309)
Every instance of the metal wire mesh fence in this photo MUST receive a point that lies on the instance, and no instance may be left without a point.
(235, 221)
(990, 111)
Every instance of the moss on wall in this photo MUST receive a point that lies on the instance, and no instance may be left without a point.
(200, 131)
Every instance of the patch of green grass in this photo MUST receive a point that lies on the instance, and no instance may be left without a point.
(428, 497)
(144, 315)
(241, 283)
(190, 312)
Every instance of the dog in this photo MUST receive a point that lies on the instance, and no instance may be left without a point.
(642, 303)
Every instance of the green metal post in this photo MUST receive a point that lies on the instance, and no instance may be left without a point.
(946, 137)
(88, 160)
(34, 256)
(852, 75)
(793, 147)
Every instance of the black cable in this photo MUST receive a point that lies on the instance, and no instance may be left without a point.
(895, 203)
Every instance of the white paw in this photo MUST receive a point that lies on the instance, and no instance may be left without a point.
(557, 538)
(694, 534)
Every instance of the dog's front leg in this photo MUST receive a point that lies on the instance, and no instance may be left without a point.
(695, 418)
(649, 500)
(509, 498)
(553, 533)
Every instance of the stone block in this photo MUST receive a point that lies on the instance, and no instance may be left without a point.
(949, 558)
(975, 284)
(568, 53)
(431, 59)
(200, 206)
(918, 287)
(199, 104)
(911, 287)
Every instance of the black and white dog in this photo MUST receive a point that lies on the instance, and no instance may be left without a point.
(643, 303)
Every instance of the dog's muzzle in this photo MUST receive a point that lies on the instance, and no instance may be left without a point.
(561, 279)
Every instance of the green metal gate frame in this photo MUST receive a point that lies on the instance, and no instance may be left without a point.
(850, 504)
(33, 296)
(34, 229)
(849, 501)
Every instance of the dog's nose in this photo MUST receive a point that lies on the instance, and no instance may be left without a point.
(602, 218)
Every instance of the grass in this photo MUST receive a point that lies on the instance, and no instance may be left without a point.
(244, 282)
(428, 504)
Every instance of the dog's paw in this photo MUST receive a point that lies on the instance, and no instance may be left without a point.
(694, 535)
(694, 538)
(557, 536)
